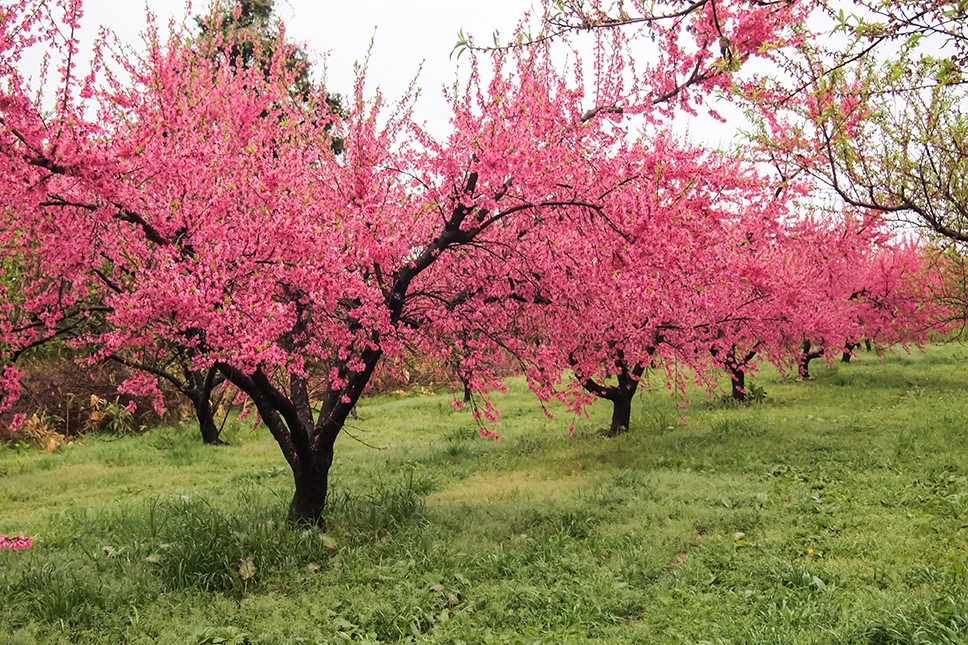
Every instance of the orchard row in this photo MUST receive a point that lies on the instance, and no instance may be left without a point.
(187, 213)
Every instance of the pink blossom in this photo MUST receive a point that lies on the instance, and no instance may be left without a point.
(17, 543)
(21, 542)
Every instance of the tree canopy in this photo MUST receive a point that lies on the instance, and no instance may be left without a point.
(560, 223)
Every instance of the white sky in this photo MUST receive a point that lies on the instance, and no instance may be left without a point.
(404, 35)
(337, 34)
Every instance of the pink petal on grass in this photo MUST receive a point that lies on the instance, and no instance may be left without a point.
(21, 542)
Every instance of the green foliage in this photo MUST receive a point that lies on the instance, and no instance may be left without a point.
(219, 635)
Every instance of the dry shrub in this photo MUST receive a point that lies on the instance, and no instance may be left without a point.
(63, 397)
(39, 432)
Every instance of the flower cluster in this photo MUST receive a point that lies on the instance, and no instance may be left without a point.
(19, 542)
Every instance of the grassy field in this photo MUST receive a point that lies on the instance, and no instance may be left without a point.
(834, 512)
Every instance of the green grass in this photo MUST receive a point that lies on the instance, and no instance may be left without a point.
(834, 512)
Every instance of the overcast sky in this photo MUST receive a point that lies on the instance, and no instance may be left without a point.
(404, 35)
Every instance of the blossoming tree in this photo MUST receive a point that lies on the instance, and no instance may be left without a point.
(180, 201)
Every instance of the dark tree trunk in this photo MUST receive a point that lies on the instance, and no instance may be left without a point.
(199, 392)
(620, 395)
(306, 443)
(307, 448)
(621, 411)
(736, 368)
(738, 379)
(805, 358)
(311, 476)
(206, 423)
(313, 454)
(848, 351)
(867, 343)
(196, 386)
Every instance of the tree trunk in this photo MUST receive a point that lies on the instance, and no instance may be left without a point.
(849, 352)
(805, 358)
(210, 430)
(621, 411)
(738, 378)
(736, 368)
(201, 398)
(194, 385)
(206, 417)
(311, 476)
(620, 395)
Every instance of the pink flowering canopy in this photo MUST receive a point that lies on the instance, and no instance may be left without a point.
(672, 54)
(191, 204)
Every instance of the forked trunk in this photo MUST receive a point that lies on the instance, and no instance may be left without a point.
(736, 369)
(620, 394)
(311, 451)
(805, 358)
(195, 385)
(201, 398)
